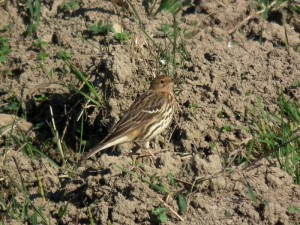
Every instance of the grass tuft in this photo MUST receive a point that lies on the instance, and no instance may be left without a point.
(277, 135)
(4, 49)
(33, 16)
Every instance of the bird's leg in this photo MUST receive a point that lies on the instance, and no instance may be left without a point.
(146, 152)
(134, 150)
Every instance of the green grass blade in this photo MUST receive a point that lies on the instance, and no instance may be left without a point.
(86, 96)
(30, 8)
(82, 78)
(37, 11)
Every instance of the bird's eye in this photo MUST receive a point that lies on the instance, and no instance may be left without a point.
(162, 81)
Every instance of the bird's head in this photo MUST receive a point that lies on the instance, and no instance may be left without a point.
(162, 83)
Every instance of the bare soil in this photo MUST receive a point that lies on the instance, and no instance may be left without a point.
(225, 74)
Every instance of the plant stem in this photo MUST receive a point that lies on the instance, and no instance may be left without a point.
(174, 43)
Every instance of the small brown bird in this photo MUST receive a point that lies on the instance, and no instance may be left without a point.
(147, 117)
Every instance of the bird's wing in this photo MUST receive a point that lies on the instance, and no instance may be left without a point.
(144, 110)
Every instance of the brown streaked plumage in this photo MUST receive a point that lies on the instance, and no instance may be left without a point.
(147, 117)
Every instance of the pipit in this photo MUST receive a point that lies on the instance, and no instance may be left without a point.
(147, 117)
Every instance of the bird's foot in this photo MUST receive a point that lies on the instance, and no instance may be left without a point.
(145, 153)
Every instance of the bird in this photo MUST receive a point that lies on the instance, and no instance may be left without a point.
(149, 115)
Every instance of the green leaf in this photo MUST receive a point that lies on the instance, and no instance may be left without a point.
(163, 218)
(162, 189)
(30, 8)
(228, 215)
(14, 106)
(252, 195)
(182, 204)
(293, 209)
(34, 219)
(32, 28)
(69, 6)
(37, 11)
(62, 211)
(39, 44)
(159, 211)
(4, 49)
(34, 14)
(51, 73)
(121, 37)
(279, 2)
(226, 128)
(296, 9)
(161, 215)
(101, 28)
(64, 54)
(2, 58)
(212, 145)
(172, 179)
(42, 56)
(171, 6)
(74, 5)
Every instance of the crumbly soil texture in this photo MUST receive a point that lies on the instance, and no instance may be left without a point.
(224, 74)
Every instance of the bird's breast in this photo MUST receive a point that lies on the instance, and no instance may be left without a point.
(158, 125)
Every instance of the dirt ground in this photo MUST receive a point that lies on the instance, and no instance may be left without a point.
(227, 71)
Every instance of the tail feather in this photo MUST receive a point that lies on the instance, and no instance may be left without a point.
(94, 151)
(102, 146)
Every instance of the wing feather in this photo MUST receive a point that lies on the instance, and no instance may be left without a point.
(144, 110)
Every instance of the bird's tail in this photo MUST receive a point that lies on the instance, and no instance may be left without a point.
(94, 151)
(106, 143)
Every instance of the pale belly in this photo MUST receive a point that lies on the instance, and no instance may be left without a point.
(158, 128)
